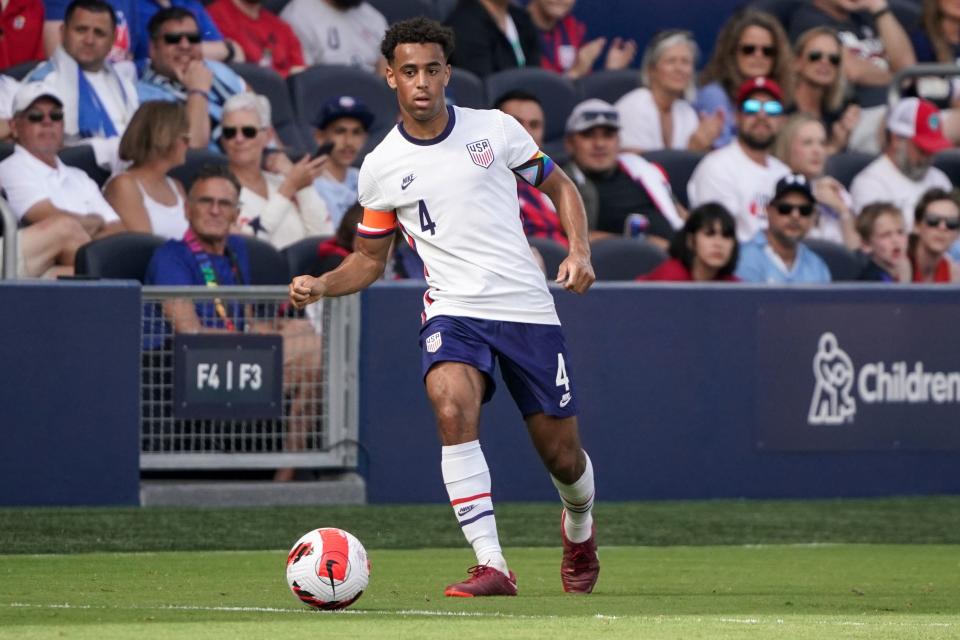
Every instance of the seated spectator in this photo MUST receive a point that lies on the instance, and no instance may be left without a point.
(100, 101)
(750, 44)
(802, 146)
(741, 175)
(884, 242)
(491, 36)
(147, 199)
(562, 46)
(904, 171)
(615, 185)
(178, 73)
(208, 255)
(344, 32)
(8, 89)
(659, 115)
(820, 88)
(937, 38)
(37, 183)
(128, 25)
(537, 212)
(343, 121)
(212, 46)
(280, 209)
(704, 250)
(21, 26)
(48, 248)
(265, 39)
(777, 255)
(875, 44)
(936, 228)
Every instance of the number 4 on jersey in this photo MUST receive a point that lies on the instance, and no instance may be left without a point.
(426, 224)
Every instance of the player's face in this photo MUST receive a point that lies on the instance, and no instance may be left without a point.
(212, 209)
(711, 247)
(172, 50)
(888, 243)
(789, 228)
(88, 38)
(934, 231)
(419, 74)
(36, 130)
(348, 137)
(595, 149)
(808, 149)
(530, 116)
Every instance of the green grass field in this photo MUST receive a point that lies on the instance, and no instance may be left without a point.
(878, 569)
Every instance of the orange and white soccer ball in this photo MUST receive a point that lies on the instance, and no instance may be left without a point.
(328, 569)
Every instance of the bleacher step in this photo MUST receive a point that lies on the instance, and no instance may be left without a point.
(347, 489)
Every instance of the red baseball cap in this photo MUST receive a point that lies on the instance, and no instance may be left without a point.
(920, 121)
(754, 85)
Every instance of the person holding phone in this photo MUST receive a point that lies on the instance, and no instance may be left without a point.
(341, 132)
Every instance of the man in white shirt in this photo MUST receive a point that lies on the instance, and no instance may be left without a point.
(742, 175)
(903, 172)
(344, 32)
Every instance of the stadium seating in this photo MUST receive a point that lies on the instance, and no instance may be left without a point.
(6, 149)
(396, 10)
(267, 266)
(20, 71)
(846, 165)
(196, 160)
(552, 252)
(466, 90)
(949, 162)
(82, 157)
(678, 165)
(122, 256)
(557, 94)
(845, 265)
(268, 82)
(618, 258)
(608, 85)
(302, 257)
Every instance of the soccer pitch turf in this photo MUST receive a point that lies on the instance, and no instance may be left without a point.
(687, 591)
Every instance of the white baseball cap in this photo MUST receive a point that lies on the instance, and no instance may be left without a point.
(30, 92)
(592, 113)
(920, 121)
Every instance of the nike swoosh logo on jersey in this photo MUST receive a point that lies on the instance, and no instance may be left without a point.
(406, 181)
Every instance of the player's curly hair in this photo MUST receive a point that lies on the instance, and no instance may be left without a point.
(418, 30)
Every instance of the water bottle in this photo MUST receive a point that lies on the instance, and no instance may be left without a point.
(635, 225)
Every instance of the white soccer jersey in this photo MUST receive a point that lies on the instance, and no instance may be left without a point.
(455, 197)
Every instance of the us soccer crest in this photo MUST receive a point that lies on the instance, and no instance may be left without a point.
(481, 153)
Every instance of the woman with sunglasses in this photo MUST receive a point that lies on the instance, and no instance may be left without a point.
(937, 227)
(281, 209)
(144, 196)
(820, 88)
(704, 250)
(750, 44)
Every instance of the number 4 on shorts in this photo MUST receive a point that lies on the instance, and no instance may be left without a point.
(562, 379)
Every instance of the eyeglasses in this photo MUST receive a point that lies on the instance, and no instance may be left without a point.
(249, 132)
(934, 221)
(751, 49)
(208, 202)
(36, 117)
(175, 37)
(754, 106)
(817, 56)
(785, 209)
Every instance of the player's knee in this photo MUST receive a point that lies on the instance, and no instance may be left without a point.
(565, 463)
(452, 417)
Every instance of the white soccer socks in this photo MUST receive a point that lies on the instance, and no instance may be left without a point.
(577, 501)
(467, 478)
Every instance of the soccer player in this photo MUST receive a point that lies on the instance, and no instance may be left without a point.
(446, 175)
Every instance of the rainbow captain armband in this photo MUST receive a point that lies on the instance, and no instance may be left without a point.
(536, 169)
(377, 224)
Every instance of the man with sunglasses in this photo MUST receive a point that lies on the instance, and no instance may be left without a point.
(777, 255)
(178, 73)
(742, 174)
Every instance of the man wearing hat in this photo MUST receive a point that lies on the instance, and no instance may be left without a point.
(903, 172)
(344, 121)
(615, 185)
(741, 175)
(776, 256)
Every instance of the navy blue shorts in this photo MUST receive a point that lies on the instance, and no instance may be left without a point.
(533, 359)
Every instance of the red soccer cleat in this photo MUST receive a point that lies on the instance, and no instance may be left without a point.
(580, 566)
(483, 581)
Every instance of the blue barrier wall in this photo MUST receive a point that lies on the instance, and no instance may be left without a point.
(69, 393)
(690, 392)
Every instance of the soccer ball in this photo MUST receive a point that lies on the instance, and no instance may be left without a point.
(328, 569)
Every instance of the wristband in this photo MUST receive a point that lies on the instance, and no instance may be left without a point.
(198, 92)
(879, 14)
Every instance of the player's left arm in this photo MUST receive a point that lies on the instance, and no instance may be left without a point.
(575, 272)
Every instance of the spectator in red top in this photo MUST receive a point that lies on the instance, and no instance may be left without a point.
(704, 250)
(265, 39)
(562, 46)
(936, 228)
(21, 32)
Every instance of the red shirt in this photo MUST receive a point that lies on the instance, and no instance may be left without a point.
(267, 40)
(673, 270)
(559, 46)
(21, 33)
(941, 272)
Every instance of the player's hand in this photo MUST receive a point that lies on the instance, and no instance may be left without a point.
(576, 273)
(305, 290)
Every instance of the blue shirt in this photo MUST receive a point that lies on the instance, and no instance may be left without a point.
(338, 196)
(711, 97)
(146, 10)
(758, 263)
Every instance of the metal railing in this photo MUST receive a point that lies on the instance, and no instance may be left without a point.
(923, 70)
(8, 270)
(318, 424)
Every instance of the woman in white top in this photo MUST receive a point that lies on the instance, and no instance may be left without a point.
(659, 115)
(145, 197)
(281, 209)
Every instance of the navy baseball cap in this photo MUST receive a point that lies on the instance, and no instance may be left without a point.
(794, 183)
(344, 107)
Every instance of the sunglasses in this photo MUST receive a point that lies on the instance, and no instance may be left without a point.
(249, 132)
(712, 231)
(754, 106)
(817, 56)
(36, 117)
(175, 37)
(610, 116)
(785, 209)
(934, 221)
(751, 49)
